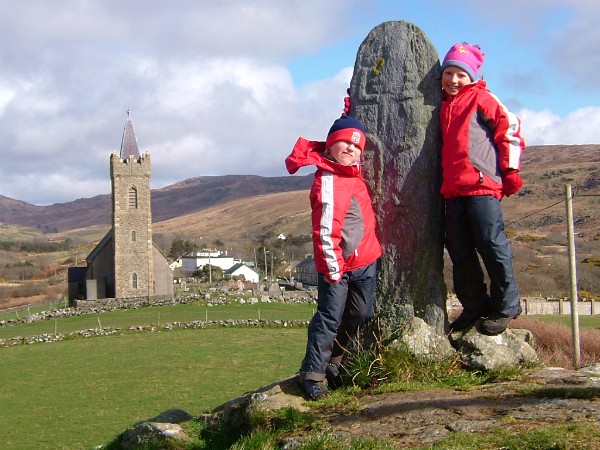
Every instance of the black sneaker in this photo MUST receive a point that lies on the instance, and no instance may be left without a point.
(314, 389)
(495, 324)
(332, 373)
(466, 319)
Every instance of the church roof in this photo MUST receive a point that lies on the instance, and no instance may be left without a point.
(129, 145)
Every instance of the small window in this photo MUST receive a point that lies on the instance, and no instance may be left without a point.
(133, 200)
(133, 236)
(134, 281)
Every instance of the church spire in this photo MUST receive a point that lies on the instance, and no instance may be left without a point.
(129, 145)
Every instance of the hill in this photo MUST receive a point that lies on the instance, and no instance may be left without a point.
(540, 207)
(187, 196)
(245, 213)
(236, 207)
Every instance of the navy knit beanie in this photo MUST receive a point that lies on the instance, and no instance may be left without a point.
(347, 128)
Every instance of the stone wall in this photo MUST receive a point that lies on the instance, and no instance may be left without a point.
(541, 306)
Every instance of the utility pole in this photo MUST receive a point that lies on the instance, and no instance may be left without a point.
(573, 277)
(266, 268)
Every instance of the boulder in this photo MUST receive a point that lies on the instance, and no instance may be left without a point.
(237, 413)
(395, 92)
(422, 339)
(512, 348)
(151, 435)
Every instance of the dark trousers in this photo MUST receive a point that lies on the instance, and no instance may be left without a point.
(475, 225)
(342, 309)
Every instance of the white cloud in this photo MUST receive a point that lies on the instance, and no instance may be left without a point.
(545, 128)
(209, 84)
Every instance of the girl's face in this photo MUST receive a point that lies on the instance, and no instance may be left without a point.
(344, 153)
(454, 79)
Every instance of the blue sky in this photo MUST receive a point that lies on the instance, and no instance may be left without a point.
(226, 87)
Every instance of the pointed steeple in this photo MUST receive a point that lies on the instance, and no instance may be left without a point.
(129, 145)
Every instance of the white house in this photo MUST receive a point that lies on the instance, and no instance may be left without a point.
(193, 261)
(242, 269)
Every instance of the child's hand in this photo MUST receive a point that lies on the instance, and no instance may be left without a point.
(347, 103)
(511, 182)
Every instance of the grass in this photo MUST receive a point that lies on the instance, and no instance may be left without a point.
(25, 312)
(582, 436)
(554, 341)
(160, 315)
(96, 388)
(584, 321)
(81, 393)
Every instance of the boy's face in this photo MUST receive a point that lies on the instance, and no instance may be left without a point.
(344, 153)
(454, 79)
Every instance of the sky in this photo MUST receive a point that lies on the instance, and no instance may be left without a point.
(226, 87)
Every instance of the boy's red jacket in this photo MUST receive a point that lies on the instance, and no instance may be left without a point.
(342, 214)
(481, 142)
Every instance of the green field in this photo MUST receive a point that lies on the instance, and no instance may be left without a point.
(81, 393)
(184, 313)
(584, 321)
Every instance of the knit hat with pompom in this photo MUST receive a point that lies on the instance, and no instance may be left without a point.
(468, 57)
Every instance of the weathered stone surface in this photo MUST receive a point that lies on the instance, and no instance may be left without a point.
(422, 339)
(285, 393)
(395, 91)
(509, 349)
(170, 416)
(151, 435)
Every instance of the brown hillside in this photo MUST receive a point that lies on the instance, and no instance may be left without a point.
(175, 200)
(539, 207)
(201, 206)
(240, 223)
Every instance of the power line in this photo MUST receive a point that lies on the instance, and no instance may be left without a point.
(573, 195)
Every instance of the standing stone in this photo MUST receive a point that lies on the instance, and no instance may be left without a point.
(396, 93)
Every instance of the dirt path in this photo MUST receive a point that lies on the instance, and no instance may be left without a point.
(412, 419)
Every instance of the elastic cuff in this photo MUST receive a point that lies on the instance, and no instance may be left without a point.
(336, 360)
(312, 376)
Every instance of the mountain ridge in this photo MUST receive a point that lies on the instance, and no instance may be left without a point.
(545, 170)
(184, 197)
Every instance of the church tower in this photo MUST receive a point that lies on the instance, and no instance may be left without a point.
(131, 218)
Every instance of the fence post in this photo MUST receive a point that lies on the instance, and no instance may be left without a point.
(573, 277)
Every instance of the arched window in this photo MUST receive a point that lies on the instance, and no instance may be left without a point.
(133, 236)
(134, 281)
(133, 199)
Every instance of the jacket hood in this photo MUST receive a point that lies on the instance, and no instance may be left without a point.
(311, 153)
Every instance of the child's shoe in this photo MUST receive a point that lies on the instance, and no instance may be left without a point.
(466, 319)
(495, 324)
(332, 373)
(314, 389)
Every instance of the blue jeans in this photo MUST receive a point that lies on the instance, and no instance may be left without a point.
(475, 225)
(342, 309)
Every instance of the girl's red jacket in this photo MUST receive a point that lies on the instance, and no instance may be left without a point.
(481, 142)
(342, 214)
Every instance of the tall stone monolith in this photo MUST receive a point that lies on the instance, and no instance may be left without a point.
(395, 91)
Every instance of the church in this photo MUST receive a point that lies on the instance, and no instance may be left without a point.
(125, 264)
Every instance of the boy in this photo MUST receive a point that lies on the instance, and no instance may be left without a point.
(345, 248)
(481, 152)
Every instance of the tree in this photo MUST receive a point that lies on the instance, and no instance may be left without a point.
(179, 248)
(216, 273)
